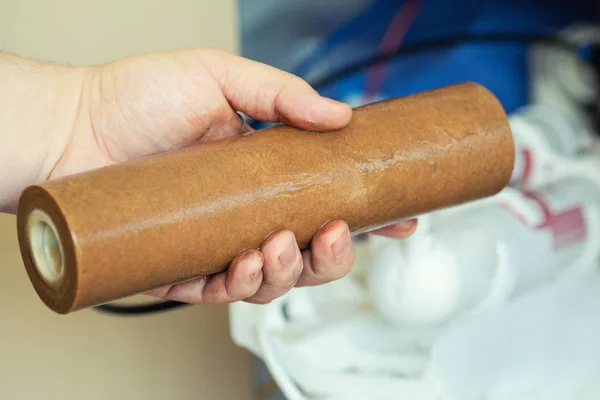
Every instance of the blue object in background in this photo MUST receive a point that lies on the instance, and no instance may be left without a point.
(500, 67)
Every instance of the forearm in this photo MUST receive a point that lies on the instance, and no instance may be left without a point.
(38, 102)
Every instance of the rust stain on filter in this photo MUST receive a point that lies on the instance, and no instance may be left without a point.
(106, 234)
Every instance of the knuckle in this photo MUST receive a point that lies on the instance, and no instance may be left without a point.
(215, 51)
(285, 276)
(294, 275)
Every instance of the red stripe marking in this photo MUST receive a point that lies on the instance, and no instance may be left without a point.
(527, 167)
(393, 37)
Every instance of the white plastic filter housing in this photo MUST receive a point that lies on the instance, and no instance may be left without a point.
(545, 140)
(543, 235)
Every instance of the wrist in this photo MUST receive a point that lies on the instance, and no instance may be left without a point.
(39, 103)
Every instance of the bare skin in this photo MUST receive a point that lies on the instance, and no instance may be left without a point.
(60, 120)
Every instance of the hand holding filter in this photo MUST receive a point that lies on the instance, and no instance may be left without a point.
(106, 234)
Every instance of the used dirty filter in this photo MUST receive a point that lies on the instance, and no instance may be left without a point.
(106, 234)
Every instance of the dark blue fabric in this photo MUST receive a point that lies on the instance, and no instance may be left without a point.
(502, 68)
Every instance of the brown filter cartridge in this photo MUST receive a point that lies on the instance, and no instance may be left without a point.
(102, 235)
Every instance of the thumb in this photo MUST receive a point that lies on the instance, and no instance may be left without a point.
(269, 94)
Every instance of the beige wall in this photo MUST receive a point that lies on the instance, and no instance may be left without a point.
(180, 355)
(95, 31)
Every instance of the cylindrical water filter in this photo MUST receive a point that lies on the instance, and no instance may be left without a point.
(102, 235)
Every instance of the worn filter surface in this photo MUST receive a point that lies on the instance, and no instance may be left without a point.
(106, 234)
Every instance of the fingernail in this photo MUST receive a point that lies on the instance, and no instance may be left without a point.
(289, 255)
(342, 246)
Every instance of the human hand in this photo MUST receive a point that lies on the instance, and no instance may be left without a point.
(150, 104)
